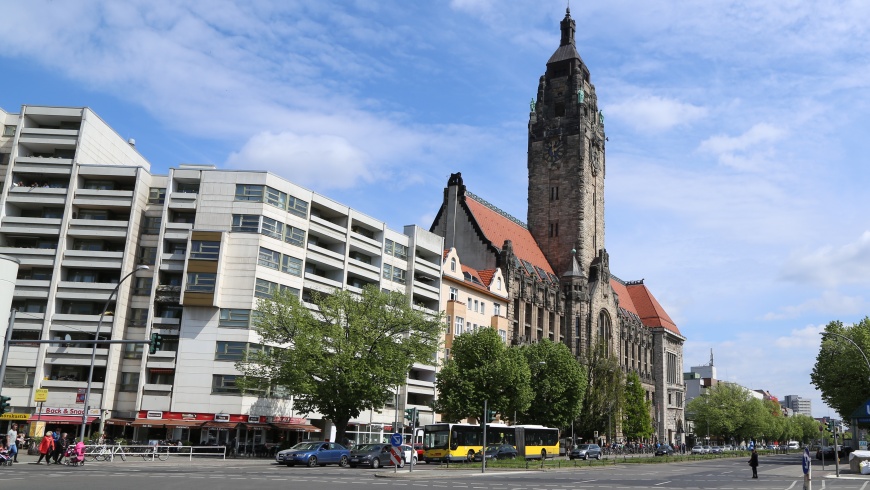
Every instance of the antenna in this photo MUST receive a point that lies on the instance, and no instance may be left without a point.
(711, 356)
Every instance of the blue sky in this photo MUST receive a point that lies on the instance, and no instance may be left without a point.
(736, 161)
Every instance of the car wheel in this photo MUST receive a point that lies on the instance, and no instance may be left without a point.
(598, 457)
(376, 463)
(584, 457)
(312, 461)
(343, 462)
(414, 461)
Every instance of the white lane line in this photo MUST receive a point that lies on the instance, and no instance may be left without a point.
(864, 485)
(792, 485)
(662, 483)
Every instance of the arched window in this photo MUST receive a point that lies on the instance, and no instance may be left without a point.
(604, 331)
(452, 265)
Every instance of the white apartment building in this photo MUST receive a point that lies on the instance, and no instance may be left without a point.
(798, 405)
(80, 210)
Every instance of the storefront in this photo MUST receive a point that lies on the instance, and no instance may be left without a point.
(62, 419)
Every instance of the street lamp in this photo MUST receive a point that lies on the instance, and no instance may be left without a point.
(850, 341)
(94, 349)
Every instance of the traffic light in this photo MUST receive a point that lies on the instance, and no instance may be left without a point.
(156, 343)
(4, 404)
(831, 425)
(411, 416)
(490, 416)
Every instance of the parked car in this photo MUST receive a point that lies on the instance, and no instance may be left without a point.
(715, 450)
(585, 451)
(664, 450)
(313, 453)
(497, 451)
(698, 450)
(375, 455)
(409, 453)
(827, 451)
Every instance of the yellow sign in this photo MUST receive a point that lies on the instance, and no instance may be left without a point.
(14, 416)
(41, 395)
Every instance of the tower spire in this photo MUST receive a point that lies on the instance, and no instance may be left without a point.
(568, 27)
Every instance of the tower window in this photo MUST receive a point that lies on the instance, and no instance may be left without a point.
(554, 193)
(560, 109)
(554, 229)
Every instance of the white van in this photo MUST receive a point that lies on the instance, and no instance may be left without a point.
(793, 445)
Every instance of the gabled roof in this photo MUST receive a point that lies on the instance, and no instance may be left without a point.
(498, 226)
(648, 308)
(486, 276)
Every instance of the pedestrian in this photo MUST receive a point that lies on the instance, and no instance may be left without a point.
(12, 442)
(60, 448)
(46, 446)
(753, 462)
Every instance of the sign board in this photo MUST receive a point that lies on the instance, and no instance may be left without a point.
(221, 417)
(154, 415)
(862, 445)
(396, 454)
(806, 461)
(24, 416)
(80, 396)
(68, 411)
(253, 419)
(396, 440)
(40, 395)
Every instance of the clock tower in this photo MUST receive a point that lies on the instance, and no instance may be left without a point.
(566, 162)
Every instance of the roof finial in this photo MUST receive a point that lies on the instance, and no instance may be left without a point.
(568, 27)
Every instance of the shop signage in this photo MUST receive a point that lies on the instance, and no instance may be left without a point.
(253, 419)
(40, 395)
(188, 416)
(153, 415)
(94, 412)
(289, 420)
(14, 416)
(221, 417)
(80, 396)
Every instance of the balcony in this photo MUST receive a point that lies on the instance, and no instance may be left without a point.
(182, 201)
(177, 231)
(363, 270)
(43, 165)
(325, 256)
(426, 267)
(31, 289)
(100, 197)
(98, 228)
(93, 259)
(30, 226)
(161, 360)
(357, 238)
(84, 291)
(156, 387)
(55, 383)
(320, 228)
(53, 138)
(37, 195)
(426, 290)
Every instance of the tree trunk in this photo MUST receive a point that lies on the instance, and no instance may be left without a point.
(341, 430)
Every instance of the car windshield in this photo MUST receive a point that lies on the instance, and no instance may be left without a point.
(368, 447)
(583, 446)
(306, 446)
(492, 448)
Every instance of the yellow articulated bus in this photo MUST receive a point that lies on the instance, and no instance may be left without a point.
(458, 442)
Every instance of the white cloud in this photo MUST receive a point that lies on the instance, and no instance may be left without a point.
(749, 151)
(832, 303)
(831, 266)
(653, 114)
(807, 337)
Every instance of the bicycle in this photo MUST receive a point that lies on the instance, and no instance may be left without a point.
(157, 452)
(96, 453)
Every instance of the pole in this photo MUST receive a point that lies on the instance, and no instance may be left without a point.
(6, 348)
(94, 348)
(483, 451)
(836, 454)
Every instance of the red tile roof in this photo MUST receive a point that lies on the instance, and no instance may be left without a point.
(499, 228)
(648, 308)
(486, 276)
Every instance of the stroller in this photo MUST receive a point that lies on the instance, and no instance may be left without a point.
(75, 454)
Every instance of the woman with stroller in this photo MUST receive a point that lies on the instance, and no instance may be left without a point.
(60, 448)
(46, 446)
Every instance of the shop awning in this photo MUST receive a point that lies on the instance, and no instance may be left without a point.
(61, 419)
(257, 426)
(220, 425)
(124, 422)
(297, 427)
(166, 423)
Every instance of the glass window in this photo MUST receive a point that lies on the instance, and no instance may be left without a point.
(454, 294)
(234, 318)
(297, 206)
(483, 308)
(276, 198)
(269, 258)
(265, 289)
(291, 265)
(396, 249)
(133, 351)
(19, 377)
(201, 282)
(452, 265)
(151, 225)
(142, 286)
(82, 276)
(223, 384)
(294, 236)
(230, 351)
(185, 188)
(272, 228)
(96, 214)
(496, 309)
(147, 255)
(248, 192)
(503, 335)
(204, 250)
(8, 130)
(457, 325)
(92, 245)
(246, 223)
(157, 195)
(138, 317)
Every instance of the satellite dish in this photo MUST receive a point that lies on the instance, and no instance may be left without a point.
(67, 337)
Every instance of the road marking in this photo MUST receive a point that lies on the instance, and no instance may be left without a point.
(864, 485)
(792, 485)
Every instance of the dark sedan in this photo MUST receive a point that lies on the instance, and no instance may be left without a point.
(374, 455)
(585, 451)
(497, 451)
(665, 450)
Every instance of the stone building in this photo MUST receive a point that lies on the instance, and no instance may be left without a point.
(556, 267)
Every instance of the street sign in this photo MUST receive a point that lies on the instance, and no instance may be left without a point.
(41, 395)
(396, 454)
(396, 440)
(806, 461)
(80, 396)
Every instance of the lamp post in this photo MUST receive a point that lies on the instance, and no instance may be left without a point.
(94, 349)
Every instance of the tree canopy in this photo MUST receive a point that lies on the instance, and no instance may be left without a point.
(636, 419)
(481, 368)
(840, 372)
(346, 357)
(559, 384)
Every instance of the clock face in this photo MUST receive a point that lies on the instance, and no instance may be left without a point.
(554, 149)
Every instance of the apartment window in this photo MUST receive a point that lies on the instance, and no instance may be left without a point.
(452, 265)
(294, 236)
(496, 309)
(147, 255)
(133, 351)
(272, 228)
(205, 250)
(234, 318)
(142, 286)
(157, 195)
(8, 130)
(185, 188)
(359, 257)
(395, 249)
(19, 377)
(457, 325)
(246, 223)
(230, 351)
(276, 198)
(267, 289)
(94, 214)
(99, 185)
(483, 308)
(449, 325)
(393, 273)
(269, 258)
(363, 231)
(248, 192)
(297, 206)
(469, 304)
(672, 367)
(498, 284)
(475, 306)
(53, 213)
(503, 335)
(151, 225)
(201, 282)
(138, 317)
(223, 384)
(454, 294)
(92, 245)
(159, 378)
(291, 265)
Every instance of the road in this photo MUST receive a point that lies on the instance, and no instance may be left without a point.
(776, 472)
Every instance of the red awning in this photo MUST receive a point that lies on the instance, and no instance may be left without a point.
(124, 422)
(165, 423)
(61, 419)
(220, 425)
(297, 427)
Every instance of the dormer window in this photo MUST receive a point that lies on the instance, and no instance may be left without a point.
(498, 284)
(452, 265)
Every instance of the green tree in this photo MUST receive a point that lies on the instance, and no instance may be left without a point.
(728, 411)
(840, 373)
(481, 368)
(636, 420)
(604, 389)
(560, 383)
(344, 358)
(809, 428)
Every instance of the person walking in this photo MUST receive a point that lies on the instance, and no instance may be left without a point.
(12, 442)
(46, 446)
(60, 448)
(753, 462)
